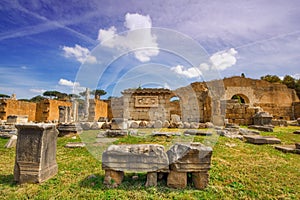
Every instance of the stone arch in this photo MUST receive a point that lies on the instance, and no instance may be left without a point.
(175, 105)
(243, 98)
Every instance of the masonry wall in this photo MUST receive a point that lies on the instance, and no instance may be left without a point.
(47, 110)
(97, 109)
(296, 110)
(15, 107)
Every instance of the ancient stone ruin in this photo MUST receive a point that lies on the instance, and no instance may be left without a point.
(35, 159)
(179, 160)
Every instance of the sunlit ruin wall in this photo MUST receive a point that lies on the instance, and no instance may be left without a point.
(243, 98)
(97, 110)
(15, 107)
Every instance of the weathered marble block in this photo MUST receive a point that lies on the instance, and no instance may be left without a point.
(68, 129)
(191, 157)
(35, 159)
(135, 158)
(149, 158)
(194, 158)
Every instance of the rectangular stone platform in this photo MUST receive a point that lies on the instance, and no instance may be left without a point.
(258, 139)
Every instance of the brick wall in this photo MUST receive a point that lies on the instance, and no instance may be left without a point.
(97, 110)
(47, 110)
(15, 107)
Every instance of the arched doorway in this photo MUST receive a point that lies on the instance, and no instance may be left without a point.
(240, 98)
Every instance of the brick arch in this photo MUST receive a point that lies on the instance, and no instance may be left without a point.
(246, 92)
(244, 97)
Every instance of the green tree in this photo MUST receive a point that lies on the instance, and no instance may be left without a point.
(37, 99)
(56, 94)
(4, 96)
(271, 78)
(289, 81)
(98, 92)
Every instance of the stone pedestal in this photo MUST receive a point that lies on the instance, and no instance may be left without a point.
(192, 158)
(113, 178)
(177, 179)
(35, 153)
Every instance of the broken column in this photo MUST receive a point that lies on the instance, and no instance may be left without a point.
(35, 159)
(191, 158)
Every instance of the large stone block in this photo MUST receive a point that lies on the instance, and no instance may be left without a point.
(135, 158)
(200, 179)
(177, 180)
(190, 157)
(35, 153)
(258, 139)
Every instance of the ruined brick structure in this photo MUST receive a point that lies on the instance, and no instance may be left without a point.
(202, 101)
(97, 110)
(14, 107)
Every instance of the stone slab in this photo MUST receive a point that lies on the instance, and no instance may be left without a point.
(12, 142)
(197, 132)
(135, 158)
(167, 134)
(288, 149)
(257, 139)
(75, 145)
(262, 128)
(297, 132)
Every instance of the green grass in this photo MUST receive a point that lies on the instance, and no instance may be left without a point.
(244, 171)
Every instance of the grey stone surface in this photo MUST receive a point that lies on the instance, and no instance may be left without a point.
(134, 124)
(12, 142)
(116, 133)
(297, 132)
(157, 124)
(167, 134)
(135, 158)
(268, 128)
(189, 157)
(75, 145)
(68, 129)
(35, 153)
(262, 119)
(119, 124)
(244, 131)
(197, 132)
(257, 139)
(288, 149)
(186, 125)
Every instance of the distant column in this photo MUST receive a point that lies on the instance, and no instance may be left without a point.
(87, 103)
(35, 159)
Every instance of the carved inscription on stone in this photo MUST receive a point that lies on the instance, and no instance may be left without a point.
(146, 101)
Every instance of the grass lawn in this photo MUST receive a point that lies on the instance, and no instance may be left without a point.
(239, 171)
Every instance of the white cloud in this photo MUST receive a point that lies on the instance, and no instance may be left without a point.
(80, 53)
(104, 35)
(141, 41)
(137, 21)
(223, 60)
(218, 61)
(191, 72)
(37, 90)
(65, 82)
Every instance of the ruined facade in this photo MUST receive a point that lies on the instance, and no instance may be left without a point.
(14, 107)
(237, 99)
(97, 110)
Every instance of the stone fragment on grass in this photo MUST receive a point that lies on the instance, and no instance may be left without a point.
(297, 132)
(12, 142)
(75, 145)
(200, 179)
(257, 139)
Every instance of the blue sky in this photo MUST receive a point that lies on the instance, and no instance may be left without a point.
(56, 45)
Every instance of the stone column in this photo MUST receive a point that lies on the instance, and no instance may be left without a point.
(86, 103)
(35, 159)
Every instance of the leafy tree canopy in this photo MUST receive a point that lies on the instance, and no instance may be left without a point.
(4, 96)
(271, 78)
